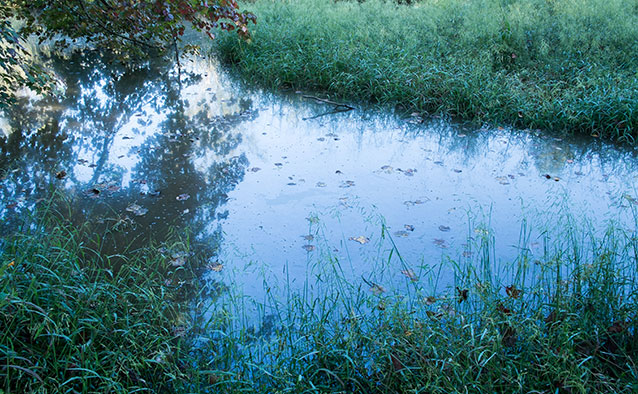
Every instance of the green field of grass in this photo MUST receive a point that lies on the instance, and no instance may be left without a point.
(564, 66)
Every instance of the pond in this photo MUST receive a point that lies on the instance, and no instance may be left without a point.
(273, 185)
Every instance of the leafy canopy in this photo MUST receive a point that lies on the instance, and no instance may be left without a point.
(126, 28)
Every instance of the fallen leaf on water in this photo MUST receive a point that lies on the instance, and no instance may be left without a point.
(410, 275)
(60, 174)
(347, 184)
(512, 291)
(183, 197)
(361, 239)
(415, 202)
(309, 248)
(503, 309)
(401, 233)
(444, 228)
(136, 209)
(94, 193)
(216, 266)
(441, 243)
(408, 172)
(178, 261)
(408, 227)
(503, 180)
(462, 294)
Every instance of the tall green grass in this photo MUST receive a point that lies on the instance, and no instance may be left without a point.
(565, 66)
(74, 320)
(561, 318)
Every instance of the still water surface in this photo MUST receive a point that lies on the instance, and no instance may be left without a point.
(272, 184)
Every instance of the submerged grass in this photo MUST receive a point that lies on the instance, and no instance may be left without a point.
(565, 66)
(564, 321)
(560, 320)
(73, 320)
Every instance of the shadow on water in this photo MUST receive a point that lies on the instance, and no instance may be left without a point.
(247, 173)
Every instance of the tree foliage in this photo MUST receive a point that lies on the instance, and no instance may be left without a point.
(129, 29)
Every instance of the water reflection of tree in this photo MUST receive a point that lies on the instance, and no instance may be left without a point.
(50, 135)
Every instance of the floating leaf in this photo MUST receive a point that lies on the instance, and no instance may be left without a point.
(408, 227)
(512, 292)
(347, 184)
(183, 197)
(444, 228)
(430, 300)
(178, 260)
(309, 248)
(503, 309)
(216, 266)
(361, 239)
(503, 180)
(408, 172)
(462, 294)
(410, 275)
(441, 243)
(136, 209)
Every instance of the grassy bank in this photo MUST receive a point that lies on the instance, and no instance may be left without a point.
(73, 320)
(564, 321)
(564, 66)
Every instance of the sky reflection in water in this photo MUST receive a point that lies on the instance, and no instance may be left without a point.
(253, 175)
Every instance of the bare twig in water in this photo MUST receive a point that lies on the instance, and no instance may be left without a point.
(337, 105)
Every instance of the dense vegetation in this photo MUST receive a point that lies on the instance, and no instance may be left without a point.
(73, 320)
(566, 66)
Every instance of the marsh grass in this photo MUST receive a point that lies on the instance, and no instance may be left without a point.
(564, 66)
(560, 319)
(73, 319)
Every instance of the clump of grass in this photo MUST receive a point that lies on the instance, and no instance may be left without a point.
(564, 66)
(564, 321)
(77, 321)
